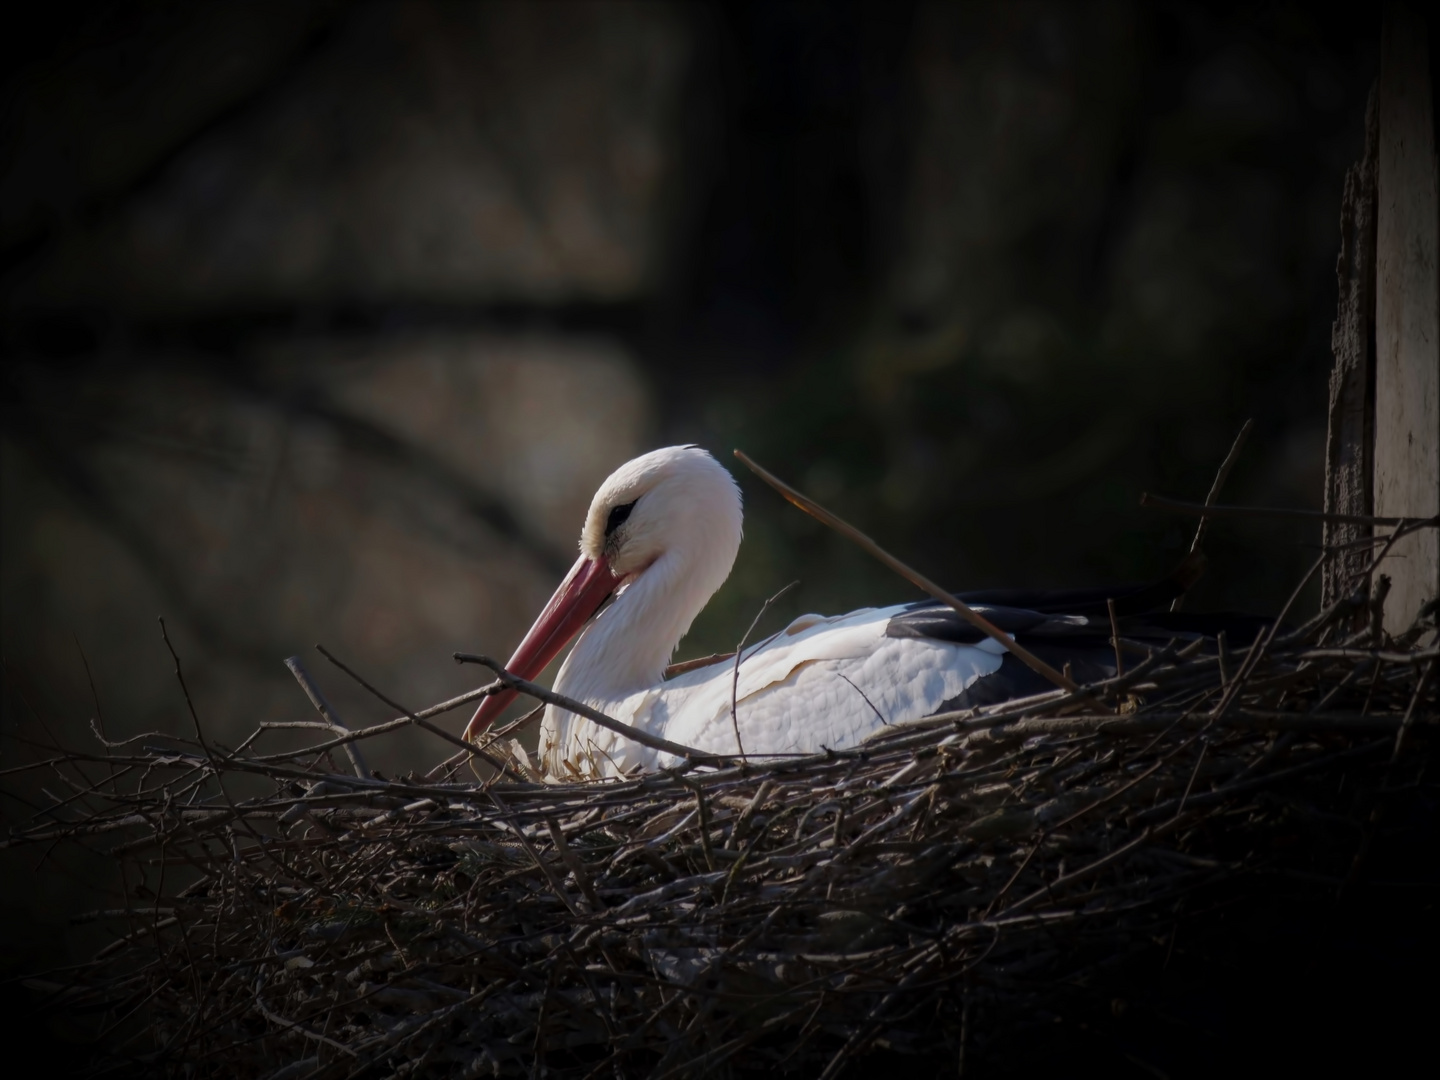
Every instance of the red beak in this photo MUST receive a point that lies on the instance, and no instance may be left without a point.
(588, 585)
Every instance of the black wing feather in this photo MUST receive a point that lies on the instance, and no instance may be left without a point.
(1071, 627)
(931, 619)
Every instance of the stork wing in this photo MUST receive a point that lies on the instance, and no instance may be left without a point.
(820, 682)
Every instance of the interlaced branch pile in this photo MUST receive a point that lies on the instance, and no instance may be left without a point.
(925, 890)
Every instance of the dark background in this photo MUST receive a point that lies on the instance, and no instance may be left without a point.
(322, 321)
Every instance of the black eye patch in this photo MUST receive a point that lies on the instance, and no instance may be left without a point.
(617, 517)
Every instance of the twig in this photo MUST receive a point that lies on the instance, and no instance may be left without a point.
(696, 664)
(740, 657)
(1177, 506)
(460, 699)
(415, 719)
(326, 710)
(595, 716)
(1244, 787)
(1190, 784)
(515, 725)
(1115, 637)
(1214, 493)
(300, 1029)
(572, 862)
(210, 754)
(915, 578)
(866, 698)
(94, 694)
(1263, 640)
(1409, 719)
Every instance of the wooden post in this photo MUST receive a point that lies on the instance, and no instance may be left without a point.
(1350, 439)
(1407, 312)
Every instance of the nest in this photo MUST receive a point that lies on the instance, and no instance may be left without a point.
(939, 891)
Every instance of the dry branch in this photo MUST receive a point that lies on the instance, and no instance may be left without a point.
(919, 580)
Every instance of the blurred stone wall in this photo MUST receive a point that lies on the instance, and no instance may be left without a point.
(429, 151)
(234, 454)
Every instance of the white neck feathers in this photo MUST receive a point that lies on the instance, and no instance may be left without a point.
(674, 550)
(627, 648)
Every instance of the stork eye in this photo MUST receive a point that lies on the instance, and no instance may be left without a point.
(618, 516)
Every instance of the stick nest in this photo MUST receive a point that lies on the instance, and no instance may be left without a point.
(935, 891)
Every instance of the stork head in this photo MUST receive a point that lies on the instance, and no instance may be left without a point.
(678, 501)
(678, 505)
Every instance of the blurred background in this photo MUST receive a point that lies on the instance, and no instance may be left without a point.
(322, 321)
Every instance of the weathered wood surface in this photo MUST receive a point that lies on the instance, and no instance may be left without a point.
(1407, 312)
(1351, 435)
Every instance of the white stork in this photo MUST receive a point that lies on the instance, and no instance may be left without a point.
(660, 538)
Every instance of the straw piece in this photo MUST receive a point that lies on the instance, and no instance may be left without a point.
(974, 618)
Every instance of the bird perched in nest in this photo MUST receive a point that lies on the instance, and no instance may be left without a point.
(660, 538)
